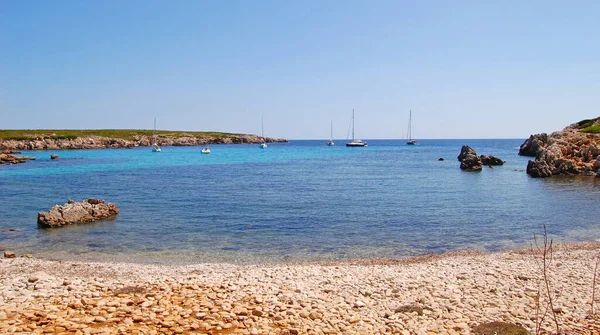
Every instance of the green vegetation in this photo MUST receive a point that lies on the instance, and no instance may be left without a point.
(587, 126)
(125, 134)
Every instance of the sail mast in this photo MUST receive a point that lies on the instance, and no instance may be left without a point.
(352, 124)
(409, 125)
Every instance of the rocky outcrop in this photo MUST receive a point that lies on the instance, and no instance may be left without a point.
(97, 142)
(89, 210)
(567, 152)
(469, 161)
(491, 160)
(8, 157)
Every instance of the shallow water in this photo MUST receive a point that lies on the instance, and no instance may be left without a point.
(297, 201)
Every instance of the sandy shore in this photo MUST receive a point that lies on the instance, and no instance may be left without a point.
(447, 294)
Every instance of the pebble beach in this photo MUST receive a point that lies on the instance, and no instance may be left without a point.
(437, 294)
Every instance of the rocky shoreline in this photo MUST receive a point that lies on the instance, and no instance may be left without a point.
(98, 142)
(568, 152)
(443, 294)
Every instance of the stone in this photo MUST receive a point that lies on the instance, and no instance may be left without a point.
(77, 212)
(499, 328)
(9, 254)
(469, 161)
(538, 169)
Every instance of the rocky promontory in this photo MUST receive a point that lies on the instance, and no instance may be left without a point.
(572, 151)
(72, 212)
(87, 139)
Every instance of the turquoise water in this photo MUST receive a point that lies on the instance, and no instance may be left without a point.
(297, 201)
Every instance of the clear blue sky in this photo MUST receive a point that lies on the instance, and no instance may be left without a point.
(467, 69)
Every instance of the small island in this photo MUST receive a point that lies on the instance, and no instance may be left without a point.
(117, 138)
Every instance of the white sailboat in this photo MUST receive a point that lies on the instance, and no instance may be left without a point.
(155, 147)
(355, 142)
(330, 143)
(263, 145)
(410, 140)
(206, 150)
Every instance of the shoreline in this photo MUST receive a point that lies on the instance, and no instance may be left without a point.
(448, 293)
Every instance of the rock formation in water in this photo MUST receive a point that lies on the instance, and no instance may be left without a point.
(572, 151)
(89, 210)
(469, 160)
(8, 157)
(98, 142)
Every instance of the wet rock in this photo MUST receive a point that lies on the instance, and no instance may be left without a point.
(77, 212)
(469, 161)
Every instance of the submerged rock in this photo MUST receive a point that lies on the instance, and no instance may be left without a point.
(9, 158)
(89, 210)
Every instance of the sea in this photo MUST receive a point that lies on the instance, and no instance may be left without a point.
(294, 202)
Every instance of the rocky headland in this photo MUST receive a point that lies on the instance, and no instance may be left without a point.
(72, 212)
(52, 141)
(463, 293)
(571, 151)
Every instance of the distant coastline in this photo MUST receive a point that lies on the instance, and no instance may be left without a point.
(117, 138)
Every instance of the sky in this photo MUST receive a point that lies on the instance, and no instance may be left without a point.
(466, 69)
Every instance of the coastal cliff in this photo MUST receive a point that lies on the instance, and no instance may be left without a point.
(571, 151)
(99, 139)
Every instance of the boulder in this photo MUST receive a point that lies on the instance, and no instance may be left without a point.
(72, 212)
(469, 161)
(491, 160)
(9, 254)
(538, 169)
(464, 151)
(533, 145)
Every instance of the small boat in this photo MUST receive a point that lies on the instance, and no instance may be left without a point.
(263, 145)
(206, 150)
(355, 142)
(331, 142)
(410, 140)
(155, 147)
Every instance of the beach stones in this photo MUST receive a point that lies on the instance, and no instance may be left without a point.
(89, 210)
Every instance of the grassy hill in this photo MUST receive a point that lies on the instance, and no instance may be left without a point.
(125, 134)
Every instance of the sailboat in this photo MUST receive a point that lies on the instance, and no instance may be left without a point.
(410, 140)
(263, 145)
(155, 147)
(206, 150)
(330, 143)
(355, 142)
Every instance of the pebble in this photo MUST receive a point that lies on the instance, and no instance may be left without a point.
(436, 295)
